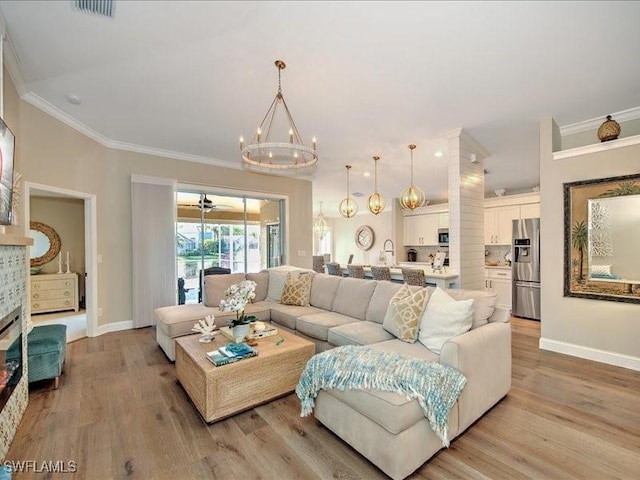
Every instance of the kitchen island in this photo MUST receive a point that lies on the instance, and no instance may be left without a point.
(432, 279)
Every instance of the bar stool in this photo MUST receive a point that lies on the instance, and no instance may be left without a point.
(318, 263)
(413, 276)
(380, 273)
(334, 268)
(355, 271)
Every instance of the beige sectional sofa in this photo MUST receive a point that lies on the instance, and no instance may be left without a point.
(385, 427)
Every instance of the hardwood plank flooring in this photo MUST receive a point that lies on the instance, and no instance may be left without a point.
(120, 413)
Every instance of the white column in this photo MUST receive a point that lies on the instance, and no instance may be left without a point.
(466, 208)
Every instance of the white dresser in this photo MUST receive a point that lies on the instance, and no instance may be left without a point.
(54, 292)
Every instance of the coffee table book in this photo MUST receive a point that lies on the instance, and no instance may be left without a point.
(225, 355)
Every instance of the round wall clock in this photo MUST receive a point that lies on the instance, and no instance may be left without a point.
(364, 237)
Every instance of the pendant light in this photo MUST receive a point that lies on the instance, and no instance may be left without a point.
(348, 206)
(320, 225)
(376, 201)
(412, 197)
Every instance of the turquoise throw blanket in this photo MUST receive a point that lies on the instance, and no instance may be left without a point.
(435, 386)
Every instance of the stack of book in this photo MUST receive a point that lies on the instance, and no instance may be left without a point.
(231, 353)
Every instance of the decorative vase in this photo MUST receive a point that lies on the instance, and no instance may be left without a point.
(609, 130)
(241, 331)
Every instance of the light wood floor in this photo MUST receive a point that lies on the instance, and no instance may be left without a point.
(119, 413)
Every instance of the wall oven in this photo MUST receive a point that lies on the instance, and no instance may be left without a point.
(443, 237)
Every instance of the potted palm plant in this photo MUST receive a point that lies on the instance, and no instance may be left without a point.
(238, 296)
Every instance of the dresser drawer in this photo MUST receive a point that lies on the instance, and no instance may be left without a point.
(52, 284)
(53, 305)
(52, 294)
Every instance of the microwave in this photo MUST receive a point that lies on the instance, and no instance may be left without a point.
(443, 237)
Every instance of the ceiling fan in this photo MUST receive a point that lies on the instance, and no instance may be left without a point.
(206, 205)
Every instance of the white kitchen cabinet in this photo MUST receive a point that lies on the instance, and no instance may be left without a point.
(530, 210)
(421, 230)
(443, 220)
(54, 292)
(498, 224)
(498, 281)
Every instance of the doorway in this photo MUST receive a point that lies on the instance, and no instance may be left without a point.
(74, 215)
(224, 232)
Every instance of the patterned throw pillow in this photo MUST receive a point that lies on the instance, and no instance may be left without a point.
(403, 314)
(297, 289)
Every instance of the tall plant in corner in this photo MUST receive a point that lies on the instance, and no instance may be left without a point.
(579, 237)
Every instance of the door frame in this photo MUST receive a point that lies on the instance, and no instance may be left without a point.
(90, 246)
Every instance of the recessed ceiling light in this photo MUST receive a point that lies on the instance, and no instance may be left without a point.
(439, 153)
(366, 174)
(74, 98)
(358, 194)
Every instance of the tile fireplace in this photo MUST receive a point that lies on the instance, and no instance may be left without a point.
(11, 354)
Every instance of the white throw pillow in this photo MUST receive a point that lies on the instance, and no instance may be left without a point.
(277, 281)
(444, 319)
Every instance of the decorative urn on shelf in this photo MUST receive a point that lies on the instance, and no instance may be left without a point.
(609, 130)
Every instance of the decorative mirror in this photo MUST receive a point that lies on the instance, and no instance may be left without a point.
(364, 237)
(46, 244)
(601, 233)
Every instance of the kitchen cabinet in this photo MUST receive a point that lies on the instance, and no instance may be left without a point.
(498, 224)
(54, 292)
(421, 230)
(530, 210)
(443, 220)
(498, 281)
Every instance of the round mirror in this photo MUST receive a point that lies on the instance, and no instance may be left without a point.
(46, 244)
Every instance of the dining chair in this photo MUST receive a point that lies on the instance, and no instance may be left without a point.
(355, 271)
(413, 276)
(380, 273)
(334, 268)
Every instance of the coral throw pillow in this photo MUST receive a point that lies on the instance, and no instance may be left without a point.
(403, 313)
(297, 289)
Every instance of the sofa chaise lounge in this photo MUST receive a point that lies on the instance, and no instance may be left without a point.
(387, 428)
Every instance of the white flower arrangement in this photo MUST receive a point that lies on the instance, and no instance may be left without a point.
(206, 326)
(238, 296)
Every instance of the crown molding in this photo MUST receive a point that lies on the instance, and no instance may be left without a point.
(594, 123)
(68, 120)
(12, 62)
(597, 147)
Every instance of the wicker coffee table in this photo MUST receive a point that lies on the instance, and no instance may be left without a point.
(218, 392)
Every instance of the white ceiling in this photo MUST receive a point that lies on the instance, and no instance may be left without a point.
(367, 78)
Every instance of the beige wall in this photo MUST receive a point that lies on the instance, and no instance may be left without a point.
(586, 325)
(589, 137)
(54, 154)
(66, 217)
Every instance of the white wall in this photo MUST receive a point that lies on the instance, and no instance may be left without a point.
(602, 330)
(343, 237)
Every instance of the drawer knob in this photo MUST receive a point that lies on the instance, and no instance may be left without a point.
(36, 295)
(36, 305)
(67, 293)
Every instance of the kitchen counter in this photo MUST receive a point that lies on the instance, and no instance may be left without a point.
(498, 267)
(442, 280)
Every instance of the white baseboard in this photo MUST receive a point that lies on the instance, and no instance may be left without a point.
(603, 356)
(113, 327)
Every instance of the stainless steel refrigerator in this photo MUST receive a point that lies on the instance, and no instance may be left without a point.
(525, 268)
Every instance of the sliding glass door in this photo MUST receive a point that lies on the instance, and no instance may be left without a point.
(224, 234)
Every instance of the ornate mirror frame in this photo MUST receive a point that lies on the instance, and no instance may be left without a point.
(54, 244)
(588, 234)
